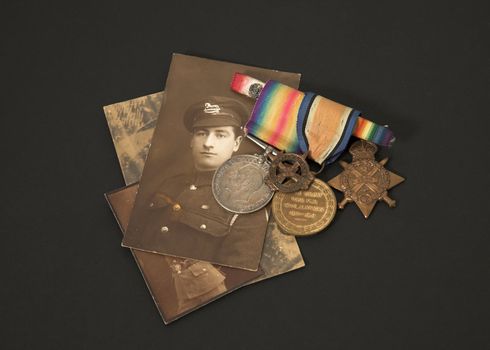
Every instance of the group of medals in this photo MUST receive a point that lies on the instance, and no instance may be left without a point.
(293, 128)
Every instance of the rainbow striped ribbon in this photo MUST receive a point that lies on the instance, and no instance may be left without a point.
(367, 130)
(293, 121)
(275, 117)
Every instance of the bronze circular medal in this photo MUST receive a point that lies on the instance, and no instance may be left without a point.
(305, 212)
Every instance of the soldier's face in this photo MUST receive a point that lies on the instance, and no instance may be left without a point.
(212, 146)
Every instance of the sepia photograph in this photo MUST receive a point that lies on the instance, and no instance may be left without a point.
(131, 124)
(134, 209)
(177, 285)
(199, 128)
(281, 252)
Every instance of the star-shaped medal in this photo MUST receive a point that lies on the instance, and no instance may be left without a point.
(365, 181)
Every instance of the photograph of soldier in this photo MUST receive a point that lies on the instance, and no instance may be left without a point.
(167, 286)
(195, 282)
(178, 286)
(183, 211)
(199, 127)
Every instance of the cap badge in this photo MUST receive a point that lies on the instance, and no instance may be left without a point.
(211, 109)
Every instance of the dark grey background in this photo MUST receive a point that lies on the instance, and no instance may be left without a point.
(414, 277)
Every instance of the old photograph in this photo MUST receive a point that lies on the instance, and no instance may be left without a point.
(199, 128)
(281, 252)
(131, 124)
(177, 285)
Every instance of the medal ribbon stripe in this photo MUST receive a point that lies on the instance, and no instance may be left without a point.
(242, 84)
(304, 109)
(255, 124)
(344, 140)
(324, 127)
(297, 122)
(286, 123)
(274, 117)
(367, 130)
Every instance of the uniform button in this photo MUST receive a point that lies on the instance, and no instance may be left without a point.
(192, 187)
(205, 206)
(164, 229)
(202, 227)
(176, 207)
(204, 269)
(152, 205)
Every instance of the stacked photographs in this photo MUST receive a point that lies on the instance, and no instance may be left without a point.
(189, 249)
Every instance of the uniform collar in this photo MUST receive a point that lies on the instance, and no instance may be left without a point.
(202, 178)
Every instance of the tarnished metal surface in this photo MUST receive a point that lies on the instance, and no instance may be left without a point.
(289, 172)
(238, 185)
(365, 181)
(305, 212)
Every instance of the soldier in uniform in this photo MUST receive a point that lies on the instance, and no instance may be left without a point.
(187, 218)
(195, 282)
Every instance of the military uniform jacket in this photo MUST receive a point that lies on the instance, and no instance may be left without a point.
(190, 223)
(194, 278)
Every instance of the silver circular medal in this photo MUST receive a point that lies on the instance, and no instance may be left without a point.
(239, 186)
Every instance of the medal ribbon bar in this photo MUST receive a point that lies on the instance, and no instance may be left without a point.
(298, 122)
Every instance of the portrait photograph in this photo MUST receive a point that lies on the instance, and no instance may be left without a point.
(199, 128)
(177, 285)
(280, 253)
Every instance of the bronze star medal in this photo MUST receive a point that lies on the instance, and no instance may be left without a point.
(365, 181)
